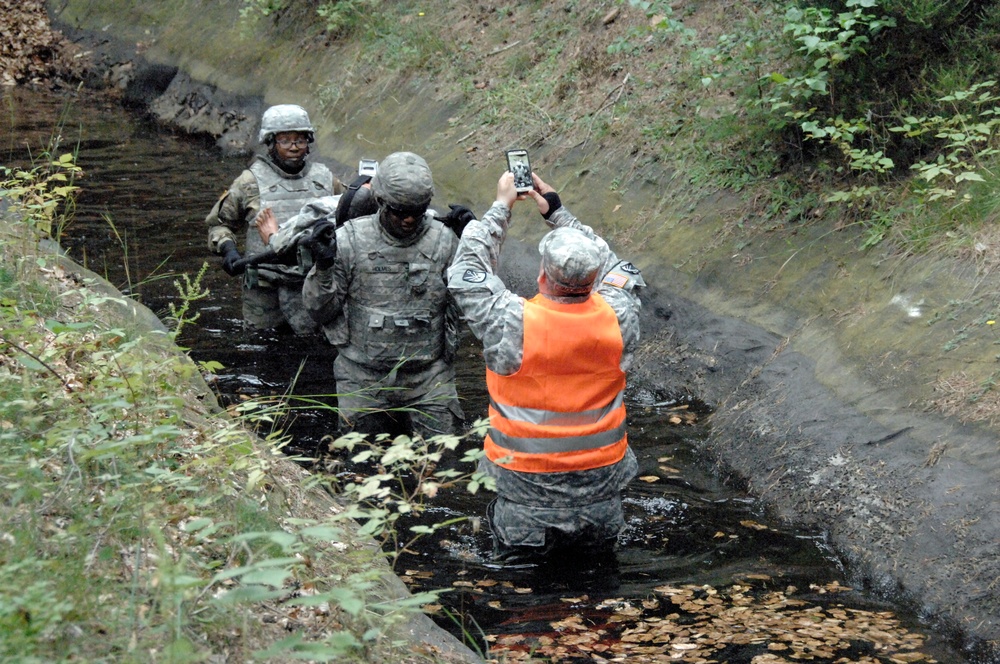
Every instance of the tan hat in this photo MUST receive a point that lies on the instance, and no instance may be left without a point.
(570, 260)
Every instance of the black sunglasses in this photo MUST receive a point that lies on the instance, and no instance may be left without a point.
(402, 213)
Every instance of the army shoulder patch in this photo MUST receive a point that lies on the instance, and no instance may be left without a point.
(474, 276)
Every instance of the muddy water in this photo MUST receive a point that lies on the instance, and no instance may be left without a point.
(139, 222)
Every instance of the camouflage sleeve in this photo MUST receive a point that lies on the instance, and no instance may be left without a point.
(298, 227)
(237, 207)
(324, 291)
(494, 314)
(619, 284)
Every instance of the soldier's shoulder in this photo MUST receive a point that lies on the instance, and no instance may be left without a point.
(245, 182)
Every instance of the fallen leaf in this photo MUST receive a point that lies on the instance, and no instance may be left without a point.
(746, 523)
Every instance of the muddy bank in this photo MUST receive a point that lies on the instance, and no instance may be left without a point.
(817, 364)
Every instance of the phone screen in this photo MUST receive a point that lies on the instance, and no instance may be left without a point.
(518, 164)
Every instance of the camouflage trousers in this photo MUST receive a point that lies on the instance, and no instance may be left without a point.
(536, 515)
(266, 306)
(420, 401)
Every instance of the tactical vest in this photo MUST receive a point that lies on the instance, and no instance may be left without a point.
(564, 409)
(285, 194)
(395, 308)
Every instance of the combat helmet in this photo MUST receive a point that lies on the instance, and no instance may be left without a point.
(403, 180)
(284, 117)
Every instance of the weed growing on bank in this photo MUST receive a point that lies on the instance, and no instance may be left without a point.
(881, 113)
(137, 526)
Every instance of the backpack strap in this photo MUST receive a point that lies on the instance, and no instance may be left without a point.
(344, 205)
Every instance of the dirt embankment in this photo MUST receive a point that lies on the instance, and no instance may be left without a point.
(814, 398)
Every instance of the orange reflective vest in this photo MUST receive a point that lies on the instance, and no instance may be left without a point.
(564, 408)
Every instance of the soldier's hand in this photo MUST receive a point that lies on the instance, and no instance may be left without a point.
(230, 258)
(323, 244)
(457, 219)
(545, 197)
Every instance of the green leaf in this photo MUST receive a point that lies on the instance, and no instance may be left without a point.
(810, 41)
(969, 175)
(194, 525)
(267, 577)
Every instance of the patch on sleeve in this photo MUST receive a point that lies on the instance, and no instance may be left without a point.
(616, 280)
(628, 267)
(474, 276)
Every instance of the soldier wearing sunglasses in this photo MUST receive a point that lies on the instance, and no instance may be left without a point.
(378, 285)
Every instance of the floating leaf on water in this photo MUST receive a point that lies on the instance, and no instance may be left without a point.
(649, 478)
(510, 639)
(907, 657)
(418, 574)
(573, 622)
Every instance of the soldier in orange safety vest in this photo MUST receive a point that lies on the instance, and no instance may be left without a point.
(555, 368)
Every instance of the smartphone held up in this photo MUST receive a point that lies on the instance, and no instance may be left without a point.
(520, 166)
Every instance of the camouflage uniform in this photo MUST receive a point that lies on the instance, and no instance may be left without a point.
(385, 305)
(536, 513)
(271, 291)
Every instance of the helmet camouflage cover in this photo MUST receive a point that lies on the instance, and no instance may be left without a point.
(403, 179)
(284, 117)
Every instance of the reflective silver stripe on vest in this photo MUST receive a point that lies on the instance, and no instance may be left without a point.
(552, 418)
(549, 445)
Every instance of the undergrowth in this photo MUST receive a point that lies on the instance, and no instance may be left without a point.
(884, 111)
(139, 527)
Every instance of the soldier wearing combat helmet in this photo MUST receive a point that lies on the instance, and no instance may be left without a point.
(282, 180)
(378, 286)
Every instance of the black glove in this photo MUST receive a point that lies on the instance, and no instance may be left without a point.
(552, 198)
(230, 256)
(323, 244)
(457, 219)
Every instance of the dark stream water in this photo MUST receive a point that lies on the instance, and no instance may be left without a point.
(139, 222)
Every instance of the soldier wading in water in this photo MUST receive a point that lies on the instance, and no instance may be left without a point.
(281, 180)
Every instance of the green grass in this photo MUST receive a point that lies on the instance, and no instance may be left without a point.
(135, 523)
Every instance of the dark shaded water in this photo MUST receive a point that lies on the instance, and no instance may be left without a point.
(139, 222)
